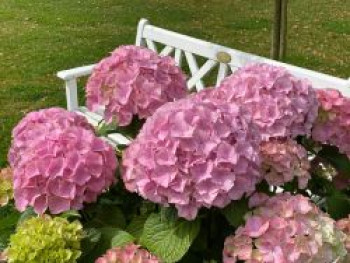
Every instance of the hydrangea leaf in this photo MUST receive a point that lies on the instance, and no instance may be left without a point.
(104, 237)
(136, 226)
(27, 214)
(169, 240)
(236, 211)
(121, 238)
(108, 216)
(8, 220)
(338, 205)
(338, 160)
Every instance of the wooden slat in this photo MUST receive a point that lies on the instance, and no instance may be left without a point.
(239, 58)
(166, 51)
(203, 71)
(192, 63)
(222, 73)
(118, 139)
(140, 41)
(178, 57)
(151, 45)
(75, 72)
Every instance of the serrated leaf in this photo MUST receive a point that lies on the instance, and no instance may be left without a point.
(169, 240)
(121, 238)
(168, 213)
(235, 212)
(135, 228)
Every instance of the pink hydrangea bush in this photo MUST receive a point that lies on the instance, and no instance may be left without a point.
(333, 122)
(134, 81)
(280, 104)
(130, 253)
(194, 154)
(37, 124)
(283, 160)
(344, 225)
(62, 169)
(286, 229)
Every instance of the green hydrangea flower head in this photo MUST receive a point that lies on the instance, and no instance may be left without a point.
(46, 239)
(6, 189)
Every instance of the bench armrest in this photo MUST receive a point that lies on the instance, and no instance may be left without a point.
(75, 72)
(70, 77)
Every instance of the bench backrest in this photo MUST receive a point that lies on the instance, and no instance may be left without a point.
(224, 60)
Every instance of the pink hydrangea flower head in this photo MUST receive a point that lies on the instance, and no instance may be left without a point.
(37, 124)
(288, 229)
(333, 122)
(134, 81)
(344, 225)
(130, 253)
(62, 170)
(283, 160)
(280, 104)
(194, 154)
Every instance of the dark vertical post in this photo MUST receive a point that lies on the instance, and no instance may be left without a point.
(283, 30)
(276, 30)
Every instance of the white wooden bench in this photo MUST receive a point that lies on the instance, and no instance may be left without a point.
(225, 60)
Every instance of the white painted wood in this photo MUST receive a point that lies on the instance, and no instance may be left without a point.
(204, 70)
(239, 58)
(178, 57)
(75, 72)
(151, 45)
(166, 51)
(72, 94)
(139, 35)
(118, 138)
(223, 70)
(192, 63)
(148, 35)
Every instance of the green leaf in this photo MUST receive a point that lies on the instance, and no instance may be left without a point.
(71, 215)
(108, 216)
(90, 240)
(169, 240)
(168, 213)
(122, 238)
(338, 205)
(104, 239)
(89, 245)
(8, 220)
(28, 213)
(338, 160)
(236, 211)
(136, 226)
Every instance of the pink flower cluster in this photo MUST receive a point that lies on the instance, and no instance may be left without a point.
(37, 124)
(283, 160)
(333, 123)
(286, 229)
(194, 154)
(344, 225)
(61, 166)
(280, 104)
(134, 81)
(130, 253)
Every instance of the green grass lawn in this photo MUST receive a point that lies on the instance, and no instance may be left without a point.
(40, 37)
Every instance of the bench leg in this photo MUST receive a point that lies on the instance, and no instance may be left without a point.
(72, 94)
